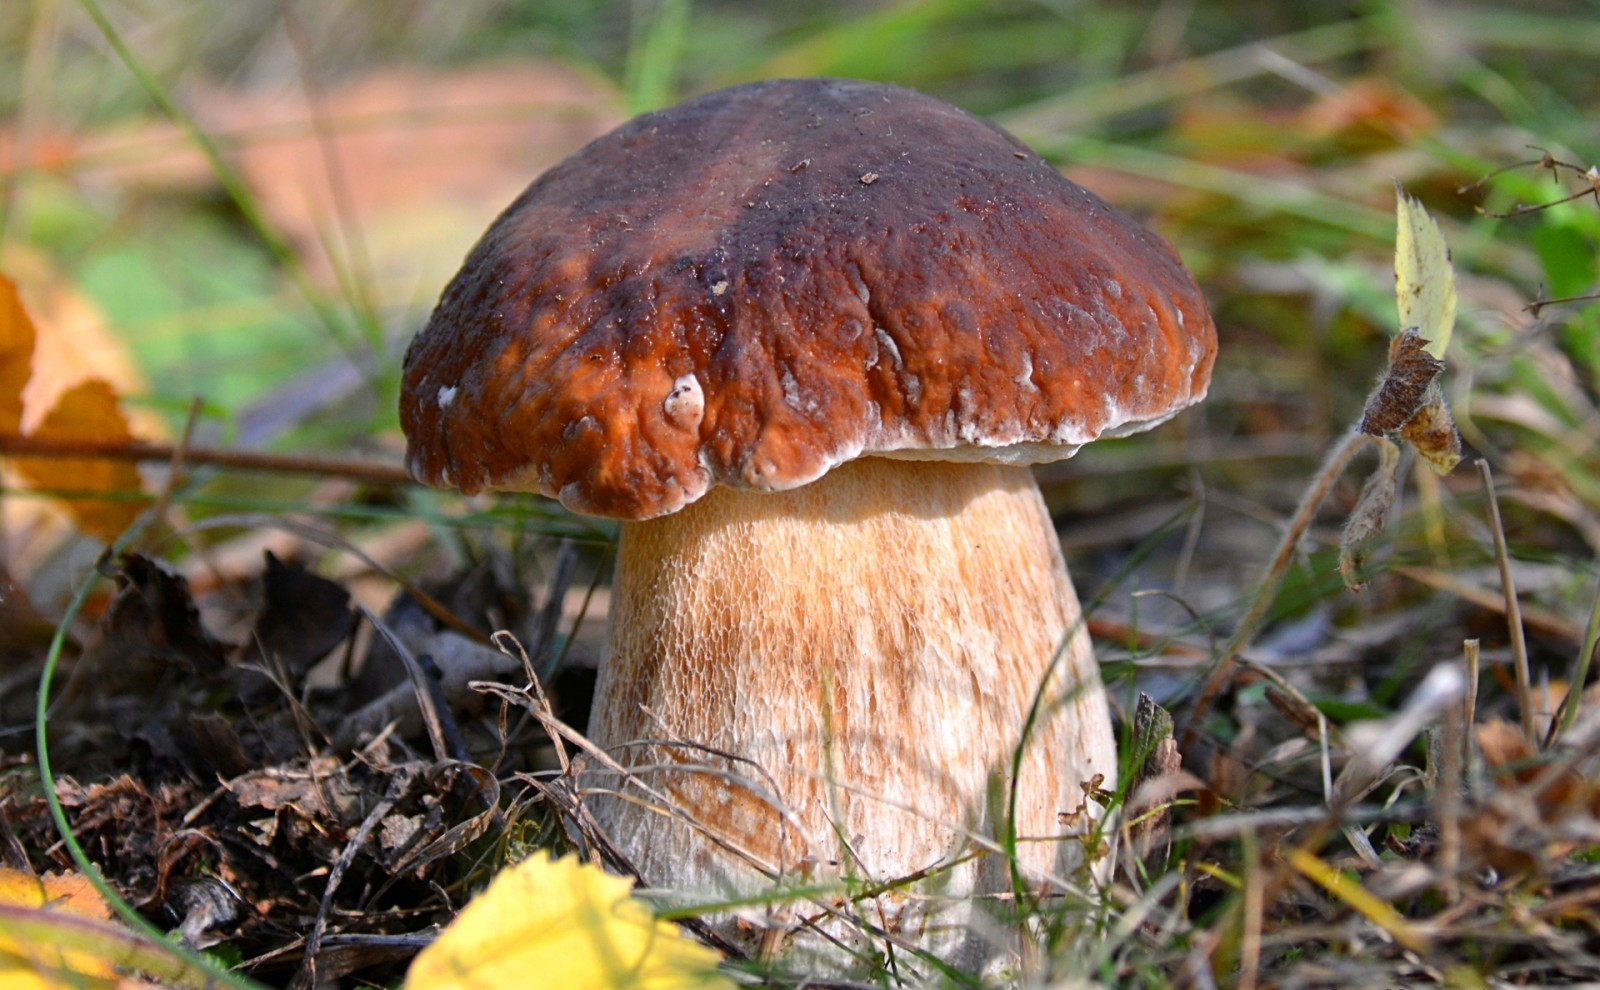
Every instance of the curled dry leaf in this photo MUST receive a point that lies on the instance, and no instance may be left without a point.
(1432, 431)
(1512, 758)
(1405, 386)
(151, 625)
(304, 617)
(1409, 403)
(1160, 779)
(1540, 812)
(1377, 496)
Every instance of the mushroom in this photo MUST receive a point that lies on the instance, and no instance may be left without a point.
(803, 337)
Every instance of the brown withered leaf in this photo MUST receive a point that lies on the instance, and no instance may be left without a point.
(1161, 778)
(1506, 749)
(1405, 386)
(89, 411)
(1539, 812)
(1367, 114)
(1377, 497)
(17, 336)
(303, 617)
(1432, 431)
(151, 625)
(1512, 758)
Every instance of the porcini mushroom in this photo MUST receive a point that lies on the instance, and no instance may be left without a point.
(803, 337)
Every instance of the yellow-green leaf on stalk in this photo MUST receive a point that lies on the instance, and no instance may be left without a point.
(1424, 282)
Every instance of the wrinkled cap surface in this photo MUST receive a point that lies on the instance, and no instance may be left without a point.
(759, 284)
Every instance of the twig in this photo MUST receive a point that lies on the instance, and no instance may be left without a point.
(442, 730)
(1538, 305)
(1590, 175)
(1519, 643)
(244, 460)
(1447, 798)
(175, 467)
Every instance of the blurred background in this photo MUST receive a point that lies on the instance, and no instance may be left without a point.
(254, 204)
(237, 213)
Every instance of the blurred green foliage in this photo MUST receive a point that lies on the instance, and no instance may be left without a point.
(1261, 138)
(1116, 86)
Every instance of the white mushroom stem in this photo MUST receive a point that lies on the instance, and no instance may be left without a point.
(872, 644)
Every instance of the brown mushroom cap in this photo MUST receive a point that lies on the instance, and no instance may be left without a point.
(767, 281)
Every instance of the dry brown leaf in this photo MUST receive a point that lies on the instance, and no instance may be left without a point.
(1503, 746)
(1433, 432)
(88, 411)
(150, 626)
(1510, 756)
(1406, 386)
(1368, 114)
(70, 342)
(17, 336)
(303, 617)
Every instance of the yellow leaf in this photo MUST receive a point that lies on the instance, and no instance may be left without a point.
(17, 337)
(66, 892)
(88, 411)
(45, 964)
(1424, 282)
(563, 923)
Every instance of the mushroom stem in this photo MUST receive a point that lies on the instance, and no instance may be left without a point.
(869, 646)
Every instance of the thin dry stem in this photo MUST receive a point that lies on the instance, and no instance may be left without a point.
(1590, 176)
(1469, 707)
(1535, 307)
(1519, 643)
(1251, 909)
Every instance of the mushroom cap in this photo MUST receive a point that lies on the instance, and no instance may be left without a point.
(764, 282)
